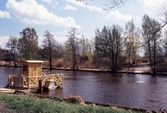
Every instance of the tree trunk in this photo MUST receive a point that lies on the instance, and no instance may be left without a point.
(150, 57)
(50, 59)
(154, 70)
(50, 63)
(15, 65)
(14, 59)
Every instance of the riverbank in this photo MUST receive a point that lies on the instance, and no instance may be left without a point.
(138, 69)
(11, 103)
(77, 100)
(142, 68)
(135, 69)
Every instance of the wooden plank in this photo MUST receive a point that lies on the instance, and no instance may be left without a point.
(7, 90)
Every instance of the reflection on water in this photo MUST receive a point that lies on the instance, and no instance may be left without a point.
(153, 79)
(4, 72)
(140, 82)
(130, 90)
(58, 92)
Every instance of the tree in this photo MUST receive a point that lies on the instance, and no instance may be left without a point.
(132, 42)
(165, 43)
(6, 55)
(108, 45)
(12, 45)
(73, 46)
(85, 49)
(66, 52)
(98, 54)
(151, 37)
(49, 47)
(28, 44)
(0, 53)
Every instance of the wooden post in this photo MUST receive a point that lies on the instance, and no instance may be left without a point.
(40, 86)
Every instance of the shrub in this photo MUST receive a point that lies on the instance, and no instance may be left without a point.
(75, 99)
(58, 63)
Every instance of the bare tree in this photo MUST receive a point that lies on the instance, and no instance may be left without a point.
(165, 43)
(132, 42)
(85, 49)
(108, 45)
(49, 47)
(66, 52)
(151, 37)
(12, 45)
(73, 44)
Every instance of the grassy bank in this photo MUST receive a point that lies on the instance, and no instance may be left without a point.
(11, 103)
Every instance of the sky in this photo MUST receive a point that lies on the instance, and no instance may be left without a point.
(58, 16)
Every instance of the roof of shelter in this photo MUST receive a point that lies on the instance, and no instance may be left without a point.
(34, 61)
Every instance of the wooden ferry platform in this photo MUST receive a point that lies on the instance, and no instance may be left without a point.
(32, 78)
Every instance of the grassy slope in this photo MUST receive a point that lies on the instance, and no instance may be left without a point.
(33, 104)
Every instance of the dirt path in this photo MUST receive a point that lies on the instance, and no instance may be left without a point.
(140, 68)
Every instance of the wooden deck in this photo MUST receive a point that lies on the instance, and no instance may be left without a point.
(28, 82)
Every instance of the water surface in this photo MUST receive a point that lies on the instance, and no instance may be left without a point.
(129, 90)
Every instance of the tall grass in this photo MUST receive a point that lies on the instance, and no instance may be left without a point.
(33, 104)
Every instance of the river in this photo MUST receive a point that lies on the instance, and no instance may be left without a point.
(128, 90)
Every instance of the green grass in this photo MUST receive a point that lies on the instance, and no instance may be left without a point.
(33, 104)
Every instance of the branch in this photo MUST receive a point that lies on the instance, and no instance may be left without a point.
(109, 3)
(159, 29)
(114, 3)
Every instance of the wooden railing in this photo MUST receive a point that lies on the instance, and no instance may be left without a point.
(33, 81)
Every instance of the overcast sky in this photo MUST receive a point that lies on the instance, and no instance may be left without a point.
(57, 16)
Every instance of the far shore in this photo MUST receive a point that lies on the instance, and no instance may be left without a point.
(136, 69)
